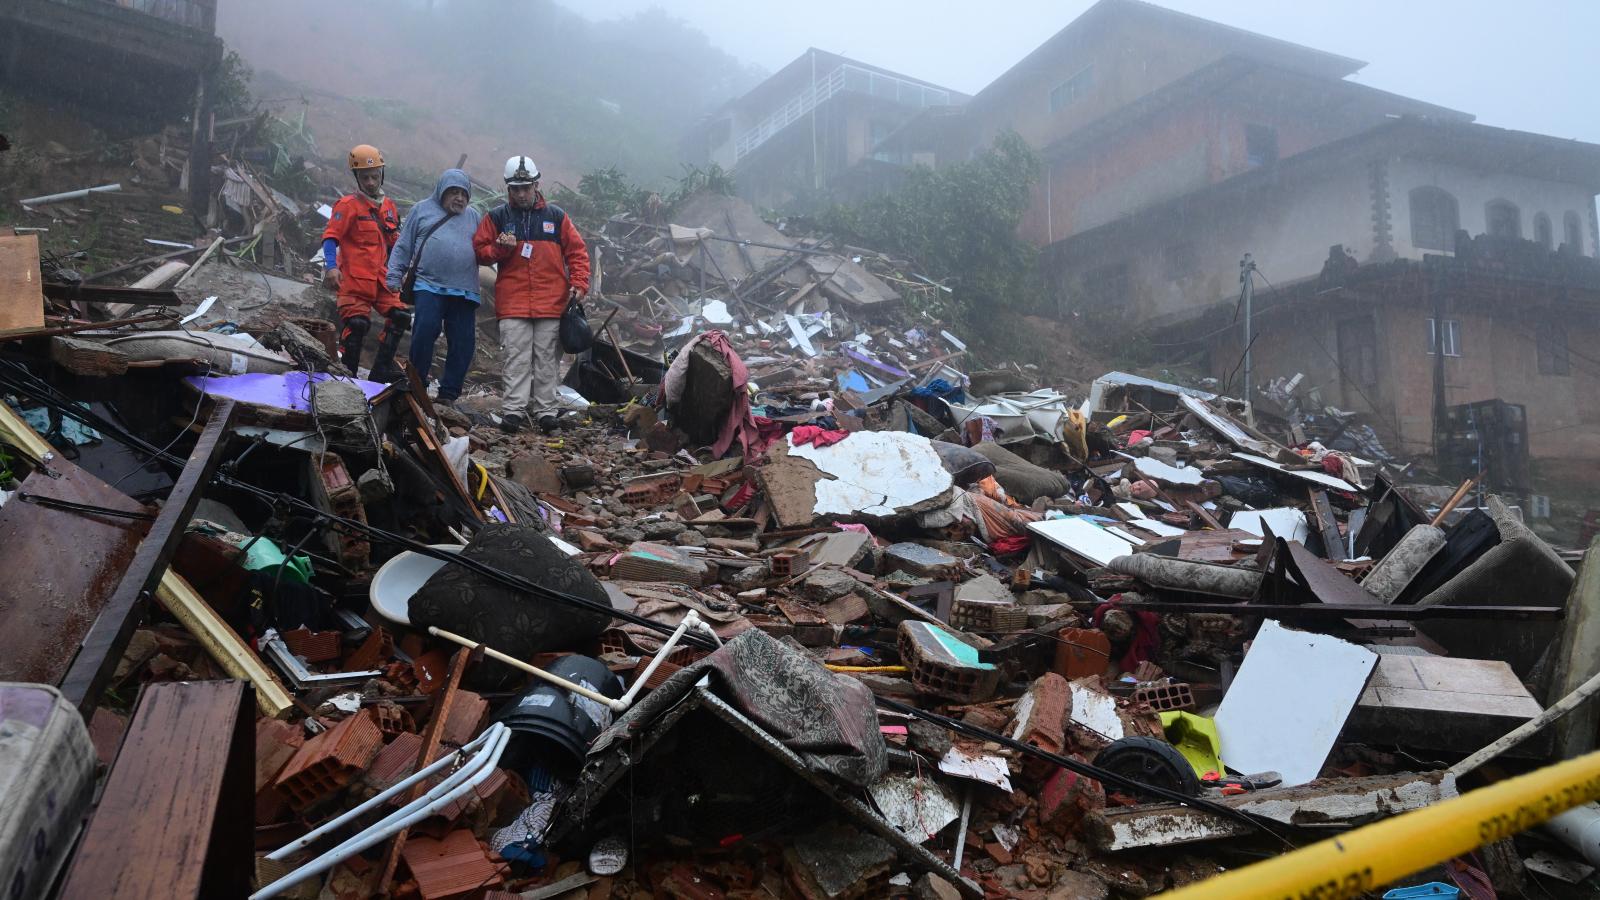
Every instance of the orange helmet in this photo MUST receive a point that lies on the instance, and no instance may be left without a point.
(365, 156)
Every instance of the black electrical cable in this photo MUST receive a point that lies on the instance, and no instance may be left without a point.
(526, 586)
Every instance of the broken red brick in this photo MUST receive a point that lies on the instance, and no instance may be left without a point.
(312, 646)
(330, 760)
(454, 866)
(1040, 720)
(1066, 798)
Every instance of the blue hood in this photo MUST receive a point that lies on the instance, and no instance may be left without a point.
(451, 178)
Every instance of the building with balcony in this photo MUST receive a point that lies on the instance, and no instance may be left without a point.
(815, 129)
(128, 60)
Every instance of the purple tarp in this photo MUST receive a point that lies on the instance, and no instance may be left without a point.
(289, 391)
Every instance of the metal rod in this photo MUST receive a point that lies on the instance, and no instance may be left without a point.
(512, 661)
(1399, 612)
(71, 195)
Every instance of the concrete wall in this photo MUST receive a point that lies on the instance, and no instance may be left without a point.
(1498, 360)
(1287, 229)
(1130, 60)
(1474, 189)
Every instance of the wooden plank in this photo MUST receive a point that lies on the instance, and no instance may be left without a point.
(432, 445)
(1204, 514)
(429, 752)
(21, 284)
(175, 820)
(102, 647)
(1327, 526)
(61, 566)
(223, 643)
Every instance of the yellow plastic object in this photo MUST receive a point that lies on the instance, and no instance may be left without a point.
(881, 669)
(1385, 852)
(1196, 738)
(175, 210)
(1117, 421)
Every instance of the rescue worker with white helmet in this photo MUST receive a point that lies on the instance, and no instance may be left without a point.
(541, 265)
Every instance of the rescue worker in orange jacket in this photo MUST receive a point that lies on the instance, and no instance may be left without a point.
(355, 253)
(542, 265)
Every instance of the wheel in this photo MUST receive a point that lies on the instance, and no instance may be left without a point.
(1150, 761)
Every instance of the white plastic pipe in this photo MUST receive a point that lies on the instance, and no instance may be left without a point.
(1579, 828)
(689, 621)
(441, 795)
(71, 195)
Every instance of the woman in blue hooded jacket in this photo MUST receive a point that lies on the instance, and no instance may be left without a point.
(437, 234)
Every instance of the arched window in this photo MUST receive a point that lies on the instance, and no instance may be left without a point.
(1503, 219)
(1550, 347)
(1543, 234)
(1434, 219)
(1573, 233)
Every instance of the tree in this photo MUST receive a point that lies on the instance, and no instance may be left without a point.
(959, 223)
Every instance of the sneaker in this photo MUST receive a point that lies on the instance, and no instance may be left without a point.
(512, 423)
(548, 424)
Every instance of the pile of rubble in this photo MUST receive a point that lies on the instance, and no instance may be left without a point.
(797, 602)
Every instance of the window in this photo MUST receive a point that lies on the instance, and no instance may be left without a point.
(1072, 90)
(1434, 219)
(1543, 234)
(1503, 218)
(1358, 354)
(1550, 343)
(1260, 144)
(1452, 337)
(1573, 232)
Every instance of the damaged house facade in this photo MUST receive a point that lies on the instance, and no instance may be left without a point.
(820, 123)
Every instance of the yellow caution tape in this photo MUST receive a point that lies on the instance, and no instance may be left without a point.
(882, 669)
(1359, 861)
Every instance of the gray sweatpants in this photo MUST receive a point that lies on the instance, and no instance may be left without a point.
(531, 349)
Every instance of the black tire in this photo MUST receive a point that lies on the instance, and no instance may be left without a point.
(1150, 761)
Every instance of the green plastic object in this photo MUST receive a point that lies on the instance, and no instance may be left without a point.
(264, 554)
(1196, 738)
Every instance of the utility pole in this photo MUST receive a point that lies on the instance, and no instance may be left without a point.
(816, 173)
(1247, 293)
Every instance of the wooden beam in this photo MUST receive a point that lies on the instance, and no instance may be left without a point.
(429, 752)
(176, 820)
(102, 647)
(1399, 612)
(1327, 526)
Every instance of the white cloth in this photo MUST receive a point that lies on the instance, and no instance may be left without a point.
(532, 349)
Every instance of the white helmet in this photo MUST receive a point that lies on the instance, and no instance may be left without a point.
(521, 170)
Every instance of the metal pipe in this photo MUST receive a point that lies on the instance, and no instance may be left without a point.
(448, 791)
(71, 195)
(557, 680)
(307, 840)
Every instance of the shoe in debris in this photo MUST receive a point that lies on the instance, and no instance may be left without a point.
(513, 423)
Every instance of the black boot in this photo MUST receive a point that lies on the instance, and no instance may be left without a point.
(384, 370)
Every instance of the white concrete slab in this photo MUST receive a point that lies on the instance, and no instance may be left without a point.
(1290, 700)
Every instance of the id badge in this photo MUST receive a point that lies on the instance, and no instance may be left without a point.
(527, 250)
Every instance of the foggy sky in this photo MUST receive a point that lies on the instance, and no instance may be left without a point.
(1528, 65)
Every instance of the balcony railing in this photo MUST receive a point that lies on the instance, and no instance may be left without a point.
(844, 78)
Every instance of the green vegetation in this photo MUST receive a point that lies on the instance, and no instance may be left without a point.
(960, 223)
(232, 87)
(607, 192)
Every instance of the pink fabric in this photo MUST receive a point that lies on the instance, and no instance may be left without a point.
(741, 424)
(842, 526)
(817, 436)
(1137, 435)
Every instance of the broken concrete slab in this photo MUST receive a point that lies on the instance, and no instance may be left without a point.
(916, 559)
(1443, 703)
(839, 862)
(823, 585)
(873, 475)
(531, 470)
(1329, 801)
